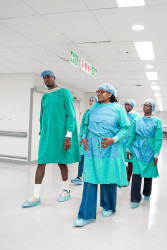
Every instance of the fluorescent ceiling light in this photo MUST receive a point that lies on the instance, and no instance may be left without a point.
(130, 3)
(145, 50)
(161, 108)
(149, 66)
(158, 99)
(155, 87)
(137, 27)
(152, 75)
(154, 82)
(157, 94)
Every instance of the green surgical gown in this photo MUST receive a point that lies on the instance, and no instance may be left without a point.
(56, 118)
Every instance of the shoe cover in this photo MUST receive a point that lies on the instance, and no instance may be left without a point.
(81, 222)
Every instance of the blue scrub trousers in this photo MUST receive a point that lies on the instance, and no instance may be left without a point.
(80, 166)
(136, 188)
(108, 197)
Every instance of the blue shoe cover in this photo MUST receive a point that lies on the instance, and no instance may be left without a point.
(31, 203)
(65, 196)
(77, 181)
(134, 204)
(147, 198)
(81, 222)
(106, 213)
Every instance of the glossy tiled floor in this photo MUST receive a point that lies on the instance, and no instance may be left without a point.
(49, 226)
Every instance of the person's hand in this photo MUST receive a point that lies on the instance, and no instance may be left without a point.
(155, 160)
(80, 143)
(128, 155)
(107, 141)
(85, 143)
(67, 143)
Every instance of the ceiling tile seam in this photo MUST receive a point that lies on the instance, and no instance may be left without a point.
(110, 41)
(29, 6)
(67, 60)
(75, 11)
(55, 27)
(17, 17)
(18, 33)
(92, 14)
(72, 42)
(5, 25)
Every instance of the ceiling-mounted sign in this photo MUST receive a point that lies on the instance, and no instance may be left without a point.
(85, 66)
(74, 58)
(94, 72)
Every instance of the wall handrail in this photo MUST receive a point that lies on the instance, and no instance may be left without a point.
(13, 133)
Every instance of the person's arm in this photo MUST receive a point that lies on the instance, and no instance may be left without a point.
(70, 112)
(124, 125)
(132, 135)
(124, 128)
(71, 118)
(82, 125)
(85, 131)
(41, 115)
(157, 140)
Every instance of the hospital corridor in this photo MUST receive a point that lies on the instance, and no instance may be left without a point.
(83, 124)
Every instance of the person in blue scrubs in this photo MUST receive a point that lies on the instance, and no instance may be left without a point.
(144, 145)
(131, 114)
(78, 179)
(105, 127)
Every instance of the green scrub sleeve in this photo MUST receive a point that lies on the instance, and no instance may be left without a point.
(41, 114)
(70, 112)
(85, 129)
(82, 125)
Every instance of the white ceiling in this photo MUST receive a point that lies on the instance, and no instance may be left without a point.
(39, 34)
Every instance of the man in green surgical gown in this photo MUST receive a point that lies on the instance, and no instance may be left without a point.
(58, 136)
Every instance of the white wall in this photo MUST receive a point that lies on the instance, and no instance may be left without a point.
(15, 108)
(14, 112)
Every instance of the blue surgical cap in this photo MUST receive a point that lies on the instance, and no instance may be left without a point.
(47, 72)
(108, 87)
(93, 97)
(131, 102)
(152, 103)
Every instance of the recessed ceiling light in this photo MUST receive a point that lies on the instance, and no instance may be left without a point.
(149, 66)
(155, 87)
(137, 27)
(130, 3)
(152, 75)
(145, 50)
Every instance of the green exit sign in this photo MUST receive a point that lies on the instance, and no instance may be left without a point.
(94, 72)
(74, 58)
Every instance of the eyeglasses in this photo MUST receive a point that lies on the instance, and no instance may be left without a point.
(101, 92)
(146, 106)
